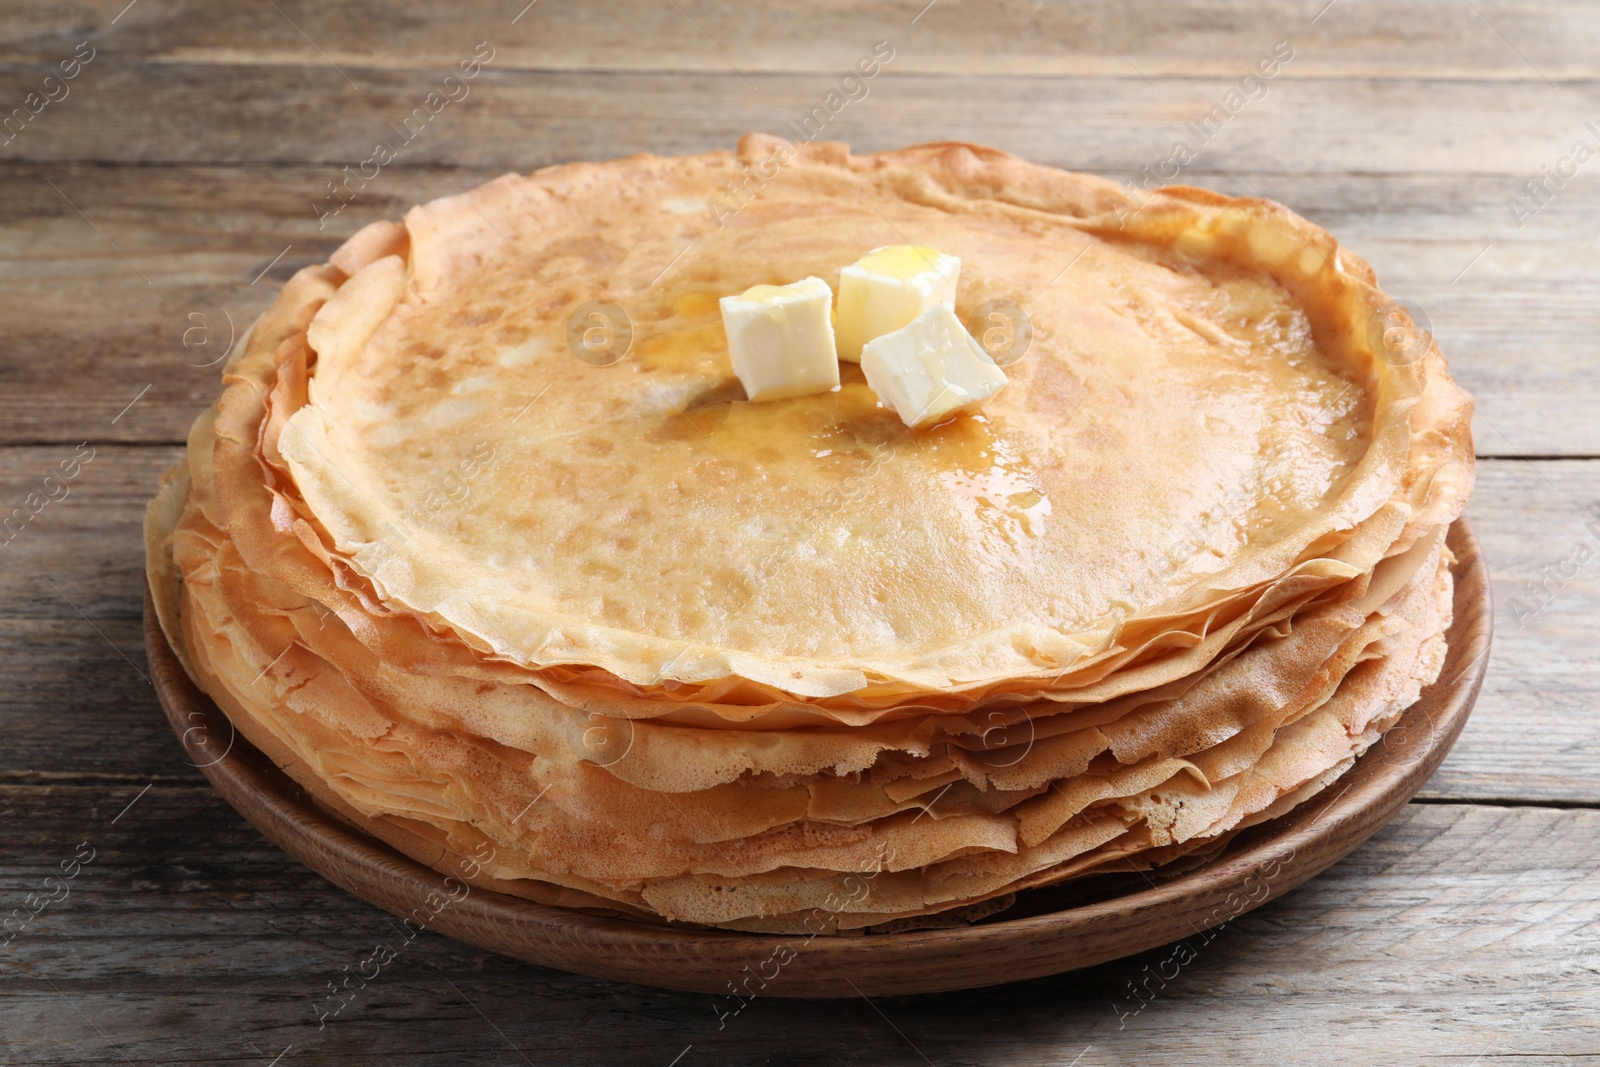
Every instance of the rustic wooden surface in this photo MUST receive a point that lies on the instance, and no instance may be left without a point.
(186, 159)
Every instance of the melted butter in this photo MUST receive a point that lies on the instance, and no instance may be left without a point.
(684, 349)
(991, 480)
(901, 261)
(694, 305)
(820, 426)
(766, 294)
(823, 444)
(811, 448)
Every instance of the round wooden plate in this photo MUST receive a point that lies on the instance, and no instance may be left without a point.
(1046, 932)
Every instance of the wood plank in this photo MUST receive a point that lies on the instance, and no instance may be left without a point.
(67, 686)
(1366, 38)
(194, 113)
(1515, 309)
(74, 673)
(1460, 931)
(1540, 525)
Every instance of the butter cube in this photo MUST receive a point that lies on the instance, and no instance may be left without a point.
(887, 288)
(780, 338)
(930, 368)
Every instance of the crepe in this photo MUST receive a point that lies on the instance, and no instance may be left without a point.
(664, 651)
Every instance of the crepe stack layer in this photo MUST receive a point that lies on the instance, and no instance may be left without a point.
(654, 649)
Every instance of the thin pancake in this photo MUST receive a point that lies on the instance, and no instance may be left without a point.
(1199, 371)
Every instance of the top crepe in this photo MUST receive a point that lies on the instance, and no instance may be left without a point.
(1199, 414)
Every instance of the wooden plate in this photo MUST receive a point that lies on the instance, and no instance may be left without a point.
(1046, 932)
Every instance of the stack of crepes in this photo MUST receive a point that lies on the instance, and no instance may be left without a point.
(657, 650)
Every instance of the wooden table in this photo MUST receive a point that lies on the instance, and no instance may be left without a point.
(181, 170)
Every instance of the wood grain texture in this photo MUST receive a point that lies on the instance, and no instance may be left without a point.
(195, 238)
(1358, 38)
(518, 120)
(1543, 688)
(1457, 932)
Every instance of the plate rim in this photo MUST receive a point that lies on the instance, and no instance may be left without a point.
(1278, 856)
